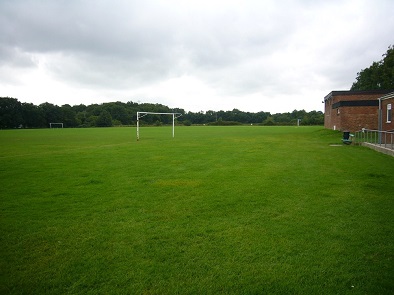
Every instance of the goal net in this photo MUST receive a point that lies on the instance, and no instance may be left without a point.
(55, 125)
(143, 114)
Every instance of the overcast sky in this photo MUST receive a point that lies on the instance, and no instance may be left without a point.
(274, 56)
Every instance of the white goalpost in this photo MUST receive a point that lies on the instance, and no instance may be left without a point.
(60, 125)
(143, 114)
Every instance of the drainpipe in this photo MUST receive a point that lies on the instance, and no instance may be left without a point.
(380, 120)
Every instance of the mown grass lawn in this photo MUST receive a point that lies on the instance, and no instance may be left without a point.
(215, 210)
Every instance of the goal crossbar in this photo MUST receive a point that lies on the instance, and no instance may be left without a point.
(143, 114)
(52, 124)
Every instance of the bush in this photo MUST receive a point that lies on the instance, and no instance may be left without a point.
(269, 122)
(224, 123)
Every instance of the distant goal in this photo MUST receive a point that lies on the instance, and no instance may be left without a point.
(55, 125)
(143, 114)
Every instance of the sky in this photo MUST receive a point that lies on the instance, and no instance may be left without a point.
(253, 55)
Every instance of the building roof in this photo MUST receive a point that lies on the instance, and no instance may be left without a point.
(387, 96)
(355, 92)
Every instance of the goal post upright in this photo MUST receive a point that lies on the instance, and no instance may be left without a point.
(143, 114)
(138, 126)
(173, 125)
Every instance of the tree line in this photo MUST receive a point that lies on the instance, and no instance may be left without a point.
(14, 114)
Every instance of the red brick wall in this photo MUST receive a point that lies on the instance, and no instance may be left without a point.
(357, 118)
(329, 118)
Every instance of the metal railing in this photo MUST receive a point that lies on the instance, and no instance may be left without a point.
(380, 138)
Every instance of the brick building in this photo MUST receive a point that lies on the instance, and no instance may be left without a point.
(353, 110)
(386, 105)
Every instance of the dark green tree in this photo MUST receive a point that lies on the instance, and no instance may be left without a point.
(269, 121)
(91, 121)
(52, 113)
(81, 118)
(118, 112)
(10, 112)
(104, 119)
(69, 116)
(380, 75)
(33, 116)
(314, 118)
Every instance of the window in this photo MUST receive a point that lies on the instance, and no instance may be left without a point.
(389, 113)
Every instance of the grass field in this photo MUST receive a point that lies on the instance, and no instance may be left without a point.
(216, 210)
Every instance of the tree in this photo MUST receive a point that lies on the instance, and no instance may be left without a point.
(81, 118)
(91, 121)
(118, 112)
(380, 75)
(33, 116)
(269, 121)
(69, 116)
(10, 112)
(104, 119)
(52, 113)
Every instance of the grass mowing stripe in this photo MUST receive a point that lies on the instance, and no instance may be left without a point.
(214, 210)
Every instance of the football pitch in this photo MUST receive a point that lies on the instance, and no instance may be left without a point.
(215, 210)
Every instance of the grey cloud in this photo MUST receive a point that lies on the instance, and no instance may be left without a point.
(86, 26)
(95, 43)
(14, 57)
